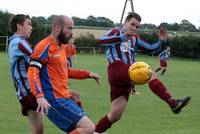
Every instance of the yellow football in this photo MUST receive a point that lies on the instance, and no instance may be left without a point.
(140, 72)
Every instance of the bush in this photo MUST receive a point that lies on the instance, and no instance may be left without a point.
(186, 46)
(86, 40)
(182, 46)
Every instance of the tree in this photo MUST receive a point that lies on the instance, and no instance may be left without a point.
(4, 23)
(175, 27)
(50, 19)
(165, 25)
(40, 19)
(185, 25)
(94, 21)
(148, 26)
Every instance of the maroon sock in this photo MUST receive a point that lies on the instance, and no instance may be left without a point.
(159, 89)
(103, 125)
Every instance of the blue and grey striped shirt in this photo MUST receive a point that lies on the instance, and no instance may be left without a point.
(19, 51)
(121, 48)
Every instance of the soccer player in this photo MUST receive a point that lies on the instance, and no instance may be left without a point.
(164, 57)
(70, 52)
(19, 51)
(121, 44)
(48, 77)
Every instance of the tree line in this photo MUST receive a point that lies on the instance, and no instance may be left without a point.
(186, 46)
(92, 21)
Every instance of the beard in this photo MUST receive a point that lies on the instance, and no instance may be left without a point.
(62, 39)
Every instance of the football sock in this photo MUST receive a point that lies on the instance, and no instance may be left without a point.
(163, 71)
(103, 125)
(75, 131)
(158, 69)
(159, 89)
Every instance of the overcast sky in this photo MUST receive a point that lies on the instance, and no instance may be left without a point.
(152, 11)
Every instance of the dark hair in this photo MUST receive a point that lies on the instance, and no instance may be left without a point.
(133, 15)
(17, 19)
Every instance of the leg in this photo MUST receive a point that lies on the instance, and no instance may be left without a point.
(84, 126)
(120, 86)
(164, 68)
(69, 117)
(163, 71)
(117, 108)
(158, 69)
(160, 90)
(36, 120)
(29, 106)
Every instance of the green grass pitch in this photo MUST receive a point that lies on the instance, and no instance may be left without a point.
(145, 114)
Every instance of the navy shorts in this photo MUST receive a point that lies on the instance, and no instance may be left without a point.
(120, 83)
(65, 113)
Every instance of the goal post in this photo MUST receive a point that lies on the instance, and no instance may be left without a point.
(4, 44)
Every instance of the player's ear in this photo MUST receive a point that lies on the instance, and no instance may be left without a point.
(58, 28)
(19, 26)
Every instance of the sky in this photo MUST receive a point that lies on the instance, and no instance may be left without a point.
(151, 11)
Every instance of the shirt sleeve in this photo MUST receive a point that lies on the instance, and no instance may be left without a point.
(161, 54)
(78, 74)
(146, 47)
(112, 37)
(34, 80)
(38, 59)
(25, 47)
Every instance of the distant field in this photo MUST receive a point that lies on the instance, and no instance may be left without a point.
(145, 114)
(97, 33)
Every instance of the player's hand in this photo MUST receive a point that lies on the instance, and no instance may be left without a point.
(75, 95)
(163, 34)
(43, 105)
(129, 33)
(96, 77)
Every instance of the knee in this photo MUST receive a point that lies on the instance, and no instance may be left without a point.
(153, 76)
(115, 116)
(91, 128)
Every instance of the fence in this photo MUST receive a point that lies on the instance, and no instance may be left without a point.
(90, 50)
(4, 44)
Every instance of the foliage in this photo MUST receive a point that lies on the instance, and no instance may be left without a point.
(4, 23)
(185, 25)
(148, 26)
(87, 40)
(182, 46)
(93, 21)
(40, 31)
(186, 46)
